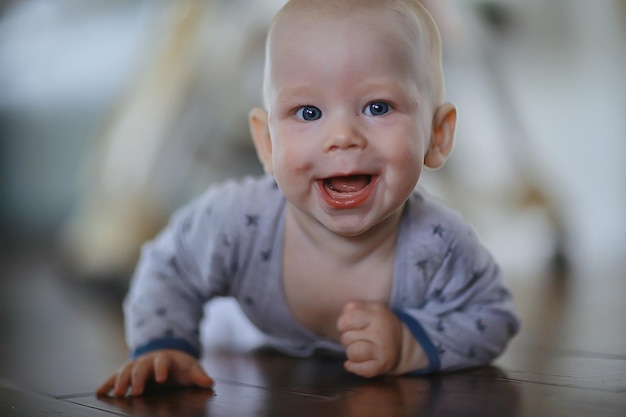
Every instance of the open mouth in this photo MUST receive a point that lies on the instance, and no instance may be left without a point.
(347, 191)
(348, 184)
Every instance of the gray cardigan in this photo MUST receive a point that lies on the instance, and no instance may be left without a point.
(446, 287)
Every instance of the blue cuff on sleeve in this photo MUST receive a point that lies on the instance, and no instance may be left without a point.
(421, 336)
(166, 343)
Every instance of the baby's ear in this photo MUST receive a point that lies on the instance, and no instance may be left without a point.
(259, 128)
(442, 140)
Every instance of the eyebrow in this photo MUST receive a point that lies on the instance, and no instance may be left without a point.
(291, 93)
(379, 83)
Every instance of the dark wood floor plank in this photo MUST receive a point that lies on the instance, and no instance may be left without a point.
(18, 403)
(62, 339)
(558, 401)
(480, 392)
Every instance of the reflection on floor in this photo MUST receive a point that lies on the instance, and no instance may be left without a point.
(62, 338)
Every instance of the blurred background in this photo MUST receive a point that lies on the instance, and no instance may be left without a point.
(113, 113)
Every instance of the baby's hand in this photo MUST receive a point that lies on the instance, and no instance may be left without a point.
(161, 365)
(372, 336)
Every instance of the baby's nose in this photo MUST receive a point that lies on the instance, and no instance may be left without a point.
(343, 134)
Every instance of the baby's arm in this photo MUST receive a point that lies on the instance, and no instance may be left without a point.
(162, 366)
(464, 318)
(164, 305)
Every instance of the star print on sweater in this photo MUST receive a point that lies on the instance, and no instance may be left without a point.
(228, 242)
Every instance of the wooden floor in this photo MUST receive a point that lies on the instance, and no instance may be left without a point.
(59, 339)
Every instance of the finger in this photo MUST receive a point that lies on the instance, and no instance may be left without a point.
(367, 369)
(353, 319)
(361, 351)
(106, 386)
(352, 336)
(122, 380)
(199, 377)
(161, 368)
(140, 374)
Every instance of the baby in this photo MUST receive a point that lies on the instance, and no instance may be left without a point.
(335, 248)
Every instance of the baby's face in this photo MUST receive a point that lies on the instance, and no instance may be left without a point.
(348, 122)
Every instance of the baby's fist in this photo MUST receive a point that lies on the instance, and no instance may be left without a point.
(371, 334)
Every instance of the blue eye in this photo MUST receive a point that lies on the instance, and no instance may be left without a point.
(377, 108)
(308, 113)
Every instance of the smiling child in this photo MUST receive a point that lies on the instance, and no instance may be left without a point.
(337, 247)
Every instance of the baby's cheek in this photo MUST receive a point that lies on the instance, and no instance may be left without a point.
(292, 160)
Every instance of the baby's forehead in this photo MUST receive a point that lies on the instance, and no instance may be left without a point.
(412, 31)
(406, 20)
(408, 17)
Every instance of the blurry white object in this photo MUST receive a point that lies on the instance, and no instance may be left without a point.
(227, 327)
(182, 126)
